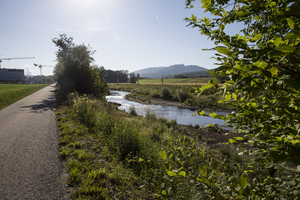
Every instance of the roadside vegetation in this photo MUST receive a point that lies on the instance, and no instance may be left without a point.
(115, 155)
(185, 94)
(11, 93)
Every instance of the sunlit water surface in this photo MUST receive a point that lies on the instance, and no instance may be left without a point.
(182, 116)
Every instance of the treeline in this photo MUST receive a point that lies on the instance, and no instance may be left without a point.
(119, 76)
(193, 74)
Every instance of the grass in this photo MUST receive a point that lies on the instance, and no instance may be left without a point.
(113, 155)
(10, 93)
(181, 80)
(178, 92)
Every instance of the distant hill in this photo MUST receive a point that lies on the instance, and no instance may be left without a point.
(193, 74)
(158, 72)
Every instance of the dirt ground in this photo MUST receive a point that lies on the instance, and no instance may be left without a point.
(209, 138)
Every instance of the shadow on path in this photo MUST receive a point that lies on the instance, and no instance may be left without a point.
(44, 105)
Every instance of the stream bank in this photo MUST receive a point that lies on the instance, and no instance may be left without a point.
(211, 137)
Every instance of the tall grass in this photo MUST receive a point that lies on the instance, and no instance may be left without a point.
(113, 157)
(10, 93)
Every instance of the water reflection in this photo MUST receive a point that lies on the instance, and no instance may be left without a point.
(182, 116)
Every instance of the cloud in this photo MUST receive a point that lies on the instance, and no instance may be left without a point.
(157, 17)
(28, 70)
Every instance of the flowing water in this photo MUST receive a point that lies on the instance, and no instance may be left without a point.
(182, 116)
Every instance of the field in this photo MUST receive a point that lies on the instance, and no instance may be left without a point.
(181, 81)
(151, 91)
(10, 93)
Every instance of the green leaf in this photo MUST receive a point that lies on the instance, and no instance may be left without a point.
(298, 168)
(214, 74)
(163, 155)
(296, 192)
(239, 138)
(202, 170)
(234, 96)
(272, 4)
(260, 64)
(205, 3)
(182, 173)
(205, 87)
(141, 159)
(285, 48)
(227, 97)
(212, 114)
(243, 181)
(278, 41)
(164, 192)
(232, 141)
(274, 71)
(243, 13)
(291, 23)
(202, 113)
(171, 173)
(223, 50)
(194, 18)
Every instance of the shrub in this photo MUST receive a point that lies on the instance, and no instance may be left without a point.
(182, 95)
(173, 123)
(150, 114)
(132, 111)
(155, 95)
(85, 109)
(197, 126)
(165, 93)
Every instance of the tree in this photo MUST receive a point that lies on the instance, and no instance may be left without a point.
(137, 77)
(74, 69)
(262, 66)
(132, 78)
(119, 76)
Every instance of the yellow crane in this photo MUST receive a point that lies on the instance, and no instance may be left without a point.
(13, 59)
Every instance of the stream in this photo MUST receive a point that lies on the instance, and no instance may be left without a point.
(181, 115)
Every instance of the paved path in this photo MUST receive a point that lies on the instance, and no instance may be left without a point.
(30, 166)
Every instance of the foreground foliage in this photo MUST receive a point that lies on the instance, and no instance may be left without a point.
(262, 65)
(112, 156)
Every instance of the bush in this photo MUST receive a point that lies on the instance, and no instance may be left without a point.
(165, 93)
(182, 95)
(132, 111)
(197, 126)
(155, 95)
(150, 114)
(85, 109)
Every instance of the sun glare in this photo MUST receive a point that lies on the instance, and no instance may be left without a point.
(88, 4)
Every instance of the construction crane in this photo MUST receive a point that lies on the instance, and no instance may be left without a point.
(13, 59)
(41, 66)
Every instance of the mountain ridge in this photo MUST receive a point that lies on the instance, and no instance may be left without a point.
(158, 72)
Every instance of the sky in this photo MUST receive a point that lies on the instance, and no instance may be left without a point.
(126, 34)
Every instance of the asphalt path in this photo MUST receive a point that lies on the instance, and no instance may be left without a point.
(30, 165)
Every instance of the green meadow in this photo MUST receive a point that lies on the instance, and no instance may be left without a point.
(10, 93)
(178, 80)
